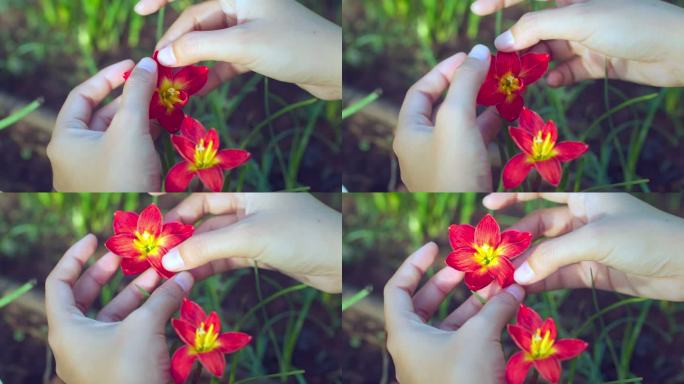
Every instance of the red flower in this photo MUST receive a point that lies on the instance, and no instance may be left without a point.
(538, 141)
(174, 88)
(204, 340)
(142, 240)
(484, 253)
(509, 74)
(201, 157)
(537, 340)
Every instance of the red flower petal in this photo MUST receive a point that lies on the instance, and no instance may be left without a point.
(569, 348)
(528, 318)
(549, 325)
(181, 364)
(517, 368)
(487, 232)
(502, 272)
(530, 120)
(233, 341)
(150, 220)
(214, 362)
(522, 139)
(192, 312)
(163, 71)
(179, 177)
(125, 222)
(570, 150)
(155, 262)
(214, 320)
(550, 127)
(478, 279)
(134, 266)
(463, 259)
(549, 369)
(191, 78)
(489, 93)
(122, 245)
(171, 121)
(461, 235)
(213, 138)
(174, 233)
(522, 337)
(533, 66)
(513, 243)
(184, 330)
(516, 170)
(156, 107)
(212, 178)
(510, 109)
(185, 147)
(232, 158)
(507, 62)
(550, 170)
(193, 129)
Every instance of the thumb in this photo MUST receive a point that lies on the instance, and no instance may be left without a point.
(236, 240)
(466, 82)
(137, 94)
(229, 45)
(565, 23)
(551, 255)
(499, 310)
(166, 299)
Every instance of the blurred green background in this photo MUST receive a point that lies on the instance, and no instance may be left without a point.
(49, 46)
(634, 131)
(633, 340)
(295, 328)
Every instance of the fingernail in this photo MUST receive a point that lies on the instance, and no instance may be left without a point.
(139, 8)
(524, 274)
(479, 52)
(148, 64)
(517, 291)
(166, 56)
(184, 280)
(487, 200)
(476, 8)
(505, 40)
(172, 261)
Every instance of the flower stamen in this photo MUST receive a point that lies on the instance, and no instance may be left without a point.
(541, 347)
(205, 154)
(543, 147)
(508, 84)
(205, 339)
(146, 243)
(486, 255)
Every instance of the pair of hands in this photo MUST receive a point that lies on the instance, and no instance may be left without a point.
(446, 150)
(592, 235)
(113, 149)
(126, 341)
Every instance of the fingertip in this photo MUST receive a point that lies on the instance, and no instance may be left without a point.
(524, 274)
(489, 201)
(143, 8)
(516, 291)
(148, 64)
(479, 52)
(167, 57)
(478, 8)
(505, 41)
(185, 280)
(173, 261)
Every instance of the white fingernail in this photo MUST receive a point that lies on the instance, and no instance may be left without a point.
(139, 8)
(517, 291)
(148, 65)
(476, 8)
(184, 280)
(166, 56)
(479, 52)
(172, 261)
(524, 273)
(505, 40)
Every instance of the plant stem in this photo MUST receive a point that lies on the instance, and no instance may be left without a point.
(197, 374)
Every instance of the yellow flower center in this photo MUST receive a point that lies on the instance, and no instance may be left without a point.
(146, 243)
(508, 84)
(486, 256)
(168, 95)
(205, 155)
(543, 147)
(541, 347)
(205, 339)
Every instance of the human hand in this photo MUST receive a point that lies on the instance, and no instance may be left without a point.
(126, 342)
(620, 242)
(446, 150)
(292, 233)
(280, 39)
(592, 39)
(113, 149)
(468, 338)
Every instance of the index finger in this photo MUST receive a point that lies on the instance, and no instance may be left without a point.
(201, 17)
(487, 7)
(421, 97)
(401, 286)
(194, 207)
(59, 295)
(78, 107)
(148, 7)
(501, 200)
